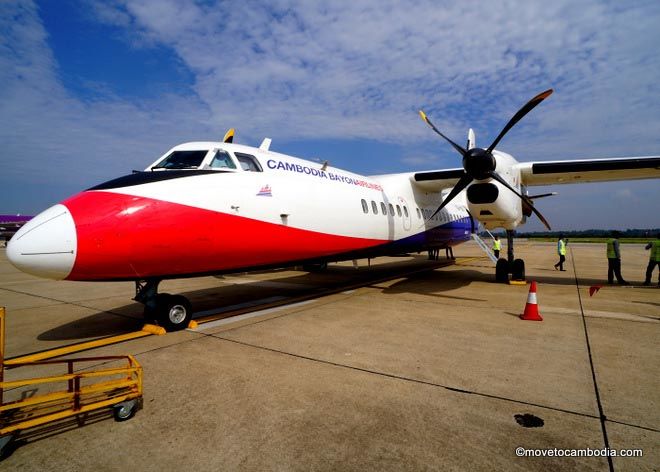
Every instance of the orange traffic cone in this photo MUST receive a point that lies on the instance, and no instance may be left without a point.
(531, 308)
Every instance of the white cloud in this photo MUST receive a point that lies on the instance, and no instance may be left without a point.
(303, 69)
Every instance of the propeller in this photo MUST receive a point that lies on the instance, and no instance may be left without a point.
(479, 164)
(229, 136)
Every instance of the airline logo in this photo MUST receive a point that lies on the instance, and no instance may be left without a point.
(300, 169)
(265, 191)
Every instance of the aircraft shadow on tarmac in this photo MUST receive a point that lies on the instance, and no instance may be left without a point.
(98, 325)
(123, 319)
(432, 283)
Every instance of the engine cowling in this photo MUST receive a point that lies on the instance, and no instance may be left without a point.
(492, 203)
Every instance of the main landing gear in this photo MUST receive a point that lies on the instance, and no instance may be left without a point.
(172, 312)
(504, 267)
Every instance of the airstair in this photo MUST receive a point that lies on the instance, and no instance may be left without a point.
(484, 247)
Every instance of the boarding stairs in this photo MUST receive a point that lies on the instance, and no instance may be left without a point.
(484, 247)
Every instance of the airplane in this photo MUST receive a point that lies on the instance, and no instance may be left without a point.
(207, 208)
(10, 224)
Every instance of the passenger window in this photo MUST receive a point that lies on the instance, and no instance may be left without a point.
(398, 210)
(383, 208)
(374, 207)
(405, 211)
(222, 160)
(391, 209)
(365, 208)
(418, 217)
(248, 162)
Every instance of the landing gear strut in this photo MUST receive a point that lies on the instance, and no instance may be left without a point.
(172, 312)
(504, 267)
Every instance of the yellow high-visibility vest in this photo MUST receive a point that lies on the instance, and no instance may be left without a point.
(497, 245)
(611, 254)
(561, 247)
(655, 250)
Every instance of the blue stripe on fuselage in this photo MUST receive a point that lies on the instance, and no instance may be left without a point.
(449, 234)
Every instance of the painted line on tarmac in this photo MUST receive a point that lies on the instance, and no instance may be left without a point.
(601, 411)
(77, 347)
(234, 319)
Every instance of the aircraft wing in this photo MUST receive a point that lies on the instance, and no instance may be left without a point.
(589, 170)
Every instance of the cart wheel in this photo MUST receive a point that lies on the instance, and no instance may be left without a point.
(6, 445)
(125, 410)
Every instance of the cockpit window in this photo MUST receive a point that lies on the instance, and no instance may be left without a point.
(248, 162)
(182, 160)
(222, 160)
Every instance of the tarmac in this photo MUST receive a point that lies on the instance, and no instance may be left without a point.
(400, 365)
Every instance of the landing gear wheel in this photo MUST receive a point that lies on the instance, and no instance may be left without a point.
(125, 410)
(518, 270)
(174, 312)
(502, 271)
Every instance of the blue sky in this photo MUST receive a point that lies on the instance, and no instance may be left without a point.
(90, 90)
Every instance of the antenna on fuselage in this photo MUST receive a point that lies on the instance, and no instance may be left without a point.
(229, 136)
(265, 144)
(471, 141)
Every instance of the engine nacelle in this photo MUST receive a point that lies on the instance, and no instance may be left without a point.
(492, 203)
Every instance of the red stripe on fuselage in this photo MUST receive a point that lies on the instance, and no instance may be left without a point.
(128, 237)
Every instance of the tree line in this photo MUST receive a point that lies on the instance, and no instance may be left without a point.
(591, 233)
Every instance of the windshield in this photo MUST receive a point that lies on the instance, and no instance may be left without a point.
(182, 160)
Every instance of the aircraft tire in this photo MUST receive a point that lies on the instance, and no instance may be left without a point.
(502, 271)
(174, 312)
(518, 270)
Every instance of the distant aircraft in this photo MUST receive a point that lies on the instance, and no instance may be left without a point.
(10, 224)
(220, 207)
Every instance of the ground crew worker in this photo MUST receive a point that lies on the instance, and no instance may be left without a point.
(614, 260)
(497, 246)
(561, 250)
(654, 259)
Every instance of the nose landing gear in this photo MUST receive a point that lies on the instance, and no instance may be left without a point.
(172, 312)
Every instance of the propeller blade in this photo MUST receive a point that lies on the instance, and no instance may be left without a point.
(525, 199)
(460, 150)
(529, 106)
(463, 182)
(229, 136)
(543, 195)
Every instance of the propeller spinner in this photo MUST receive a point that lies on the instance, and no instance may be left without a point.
(479, 164)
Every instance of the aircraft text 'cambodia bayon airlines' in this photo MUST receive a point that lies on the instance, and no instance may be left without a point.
(220, 207)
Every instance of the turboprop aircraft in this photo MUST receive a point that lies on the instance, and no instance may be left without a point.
(10, 224)
(220, 207)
